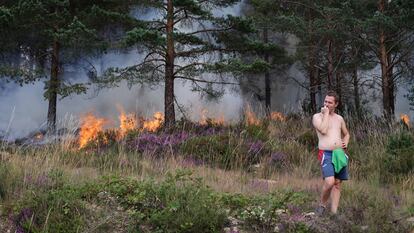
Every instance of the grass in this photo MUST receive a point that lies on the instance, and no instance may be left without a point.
(265, 176)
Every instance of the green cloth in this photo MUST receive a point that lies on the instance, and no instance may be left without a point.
(339, 159)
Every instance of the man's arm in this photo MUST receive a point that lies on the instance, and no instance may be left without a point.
(345, 133)
(320, 122)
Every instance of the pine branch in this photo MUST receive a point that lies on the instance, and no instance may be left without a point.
(205, 81)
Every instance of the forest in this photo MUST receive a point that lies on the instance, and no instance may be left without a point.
(169, 172)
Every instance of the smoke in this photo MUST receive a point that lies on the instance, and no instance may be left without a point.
(24, 109)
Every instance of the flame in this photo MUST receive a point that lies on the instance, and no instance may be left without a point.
(206, 120)
(405, 119)
(90, 128)
(277, 116)
(38, 136)
(251, 118)
(128, 122)
(155, 124)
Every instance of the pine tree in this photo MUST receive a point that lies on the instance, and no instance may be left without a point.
(387, 30)
(264, 15)
(50, 33)
(188, 42)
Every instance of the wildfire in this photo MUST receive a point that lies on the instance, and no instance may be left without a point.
(90, 128)
(251, 118)
(206, 120)
(127, 122)
(277, 116)
(38, 136)
(406, 119)
(155, 124)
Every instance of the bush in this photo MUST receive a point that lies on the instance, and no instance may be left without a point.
(180, 203)
(58, 210)
(225, 150)
(400, 151)
(364, 206)
(257, 132)
(264, 213)
(309, 139)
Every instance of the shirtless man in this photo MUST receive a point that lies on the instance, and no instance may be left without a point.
(332, 134)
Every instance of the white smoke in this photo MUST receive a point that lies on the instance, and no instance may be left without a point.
(24, 109)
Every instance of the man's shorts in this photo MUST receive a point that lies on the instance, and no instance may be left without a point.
(325, 157)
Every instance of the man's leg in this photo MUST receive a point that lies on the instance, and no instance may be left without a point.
(335, 195)
(326, 189)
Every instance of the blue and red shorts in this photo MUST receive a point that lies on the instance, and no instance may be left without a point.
(325, 159)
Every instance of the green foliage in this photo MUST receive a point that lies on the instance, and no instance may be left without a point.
(365, 206)
(224, 150)
(219, 150)
(58, 208)
(239, 67)
(141, 36)
(180, 203)
(400, 151)
(263, 213)
(309, 138)
(4, 172)
(6, 16)
(256, 132)
(410, 96)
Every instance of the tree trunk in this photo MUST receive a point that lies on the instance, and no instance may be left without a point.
(267, 77)
(357, 101)
(312, 77)
(338, 78)
(169, 69)
(53, 88)
(319, 85)
(391, 85)
(385, 70)
(330, 64)
(312, 69)
(338, 88)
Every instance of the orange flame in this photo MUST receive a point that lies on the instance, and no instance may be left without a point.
(38, 136)
(128, 122)
(206, 120)
(155, 124)
(90, 128)
(405, 119)
(251, 118)
(277, 116)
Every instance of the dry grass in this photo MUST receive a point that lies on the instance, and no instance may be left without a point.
(26, 166)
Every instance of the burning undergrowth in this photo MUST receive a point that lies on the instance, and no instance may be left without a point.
(209, 141)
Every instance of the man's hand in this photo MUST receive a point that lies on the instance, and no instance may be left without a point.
(324, 110)
(344, 145)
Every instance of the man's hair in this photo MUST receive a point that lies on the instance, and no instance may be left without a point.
(333, 94)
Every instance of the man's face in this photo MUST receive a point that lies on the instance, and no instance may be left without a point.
(330, 103)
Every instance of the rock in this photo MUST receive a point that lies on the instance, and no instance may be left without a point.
(410, 220)
(364, 228)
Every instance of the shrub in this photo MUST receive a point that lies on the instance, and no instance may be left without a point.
(309, 139)
(180, 203)
(157, 143)
(264, 213)
(400, 151)
(225, 150)
(58, 210)
(369, 207)
(257, 132)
